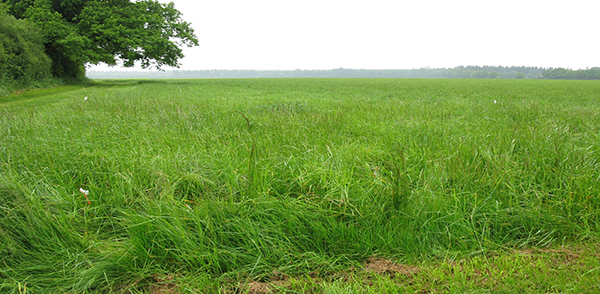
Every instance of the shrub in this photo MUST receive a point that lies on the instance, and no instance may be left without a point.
(23, 61)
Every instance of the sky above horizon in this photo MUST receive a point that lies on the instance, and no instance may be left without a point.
(386, 34)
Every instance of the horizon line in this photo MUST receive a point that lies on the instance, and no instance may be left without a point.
(339, 68)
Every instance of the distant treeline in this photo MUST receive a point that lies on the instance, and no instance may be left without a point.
(460, 72)
(480, 72)
(567, 74)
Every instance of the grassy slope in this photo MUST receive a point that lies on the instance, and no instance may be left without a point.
(238, 179)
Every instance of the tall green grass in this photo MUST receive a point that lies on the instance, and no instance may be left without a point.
(236, 179)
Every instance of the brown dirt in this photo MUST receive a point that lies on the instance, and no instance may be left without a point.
(164, 285)
(255, 287)
(258, 288)
(384, 266)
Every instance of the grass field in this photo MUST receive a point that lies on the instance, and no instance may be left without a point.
(301, 185)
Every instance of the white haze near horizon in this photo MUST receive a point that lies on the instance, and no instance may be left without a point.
(386, 34)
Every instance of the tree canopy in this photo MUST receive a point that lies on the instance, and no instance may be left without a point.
(22, 57)
(80, 32)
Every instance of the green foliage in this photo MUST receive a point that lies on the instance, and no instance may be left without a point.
(80, 32)
(567, 74)
(143, 32)
(22, 57)
(65, 46)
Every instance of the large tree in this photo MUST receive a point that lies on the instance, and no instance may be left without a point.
(80, 32)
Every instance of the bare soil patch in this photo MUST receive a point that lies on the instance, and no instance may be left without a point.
(387, 267)
(164, 285)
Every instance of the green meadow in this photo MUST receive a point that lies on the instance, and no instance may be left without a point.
(301, 186)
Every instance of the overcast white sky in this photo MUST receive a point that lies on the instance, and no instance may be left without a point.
(387, 34)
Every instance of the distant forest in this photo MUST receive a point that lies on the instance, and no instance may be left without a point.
(460, 72)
